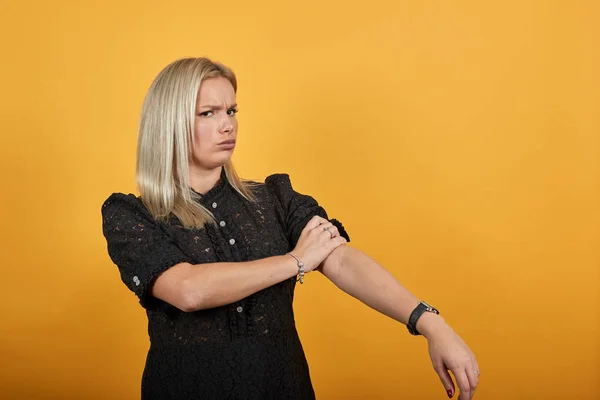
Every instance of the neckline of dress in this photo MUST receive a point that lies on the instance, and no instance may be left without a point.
(216, 190)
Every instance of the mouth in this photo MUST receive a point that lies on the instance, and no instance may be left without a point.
(227, 145)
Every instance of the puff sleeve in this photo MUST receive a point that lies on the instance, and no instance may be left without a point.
(137, 245)
(298, 208)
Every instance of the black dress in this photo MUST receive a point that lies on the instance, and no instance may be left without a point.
(246, 350)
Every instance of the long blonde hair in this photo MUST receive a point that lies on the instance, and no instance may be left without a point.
(166, 138)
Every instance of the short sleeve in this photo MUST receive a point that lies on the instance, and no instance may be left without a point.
(298, 208)
(137, 245)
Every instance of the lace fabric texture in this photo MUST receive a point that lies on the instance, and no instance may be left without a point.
(245, 350)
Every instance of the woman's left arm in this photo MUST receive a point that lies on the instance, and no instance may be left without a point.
(360, 276)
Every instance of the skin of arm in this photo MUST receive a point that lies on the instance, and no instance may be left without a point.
(196, 287)
(365, 279)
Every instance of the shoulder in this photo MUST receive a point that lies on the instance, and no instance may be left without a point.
(275, 189)
(272, 180)
(279, 183)
(279, 188)
(121, 204)
(274, 184)
(118, 200)
(278, 179)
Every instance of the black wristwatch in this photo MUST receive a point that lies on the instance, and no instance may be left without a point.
(416, 314)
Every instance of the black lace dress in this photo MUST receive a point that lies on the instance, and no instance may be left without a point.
(246, 350)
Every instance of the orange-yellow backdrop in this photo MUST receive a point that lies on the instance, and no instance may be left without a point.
(457, 141)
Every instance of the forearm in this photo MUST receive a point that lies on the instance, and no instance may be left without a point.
(196, 287)
(366, 280)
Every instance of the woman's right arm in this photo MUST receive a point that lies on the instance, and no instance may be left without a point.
(196, 287)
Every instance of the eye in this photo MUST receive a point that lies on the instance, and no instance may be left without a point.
(232, 111)
(205, 114)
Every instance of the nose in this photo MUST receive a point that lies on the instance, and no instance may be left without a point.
(226, 126)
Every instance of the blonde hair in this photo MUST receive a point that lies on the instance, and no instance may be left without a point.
(166, 138)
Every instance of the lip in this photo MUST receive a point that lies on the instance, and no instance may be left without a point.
(227, 145)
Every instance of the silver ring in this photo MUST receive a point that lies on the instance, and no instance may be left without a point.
(330, 233)
(476, 372)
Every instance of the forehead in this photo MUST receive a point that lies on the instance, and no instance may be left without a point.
(217, 90)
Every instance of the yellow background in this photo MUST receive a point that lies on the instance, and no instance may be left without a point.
(457, 141)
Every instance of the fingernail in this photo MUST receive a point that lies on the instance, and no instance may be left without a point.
(449, 391)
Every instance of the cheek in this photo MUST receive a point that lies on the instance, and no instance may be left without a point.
(202, 135)
(203, 129)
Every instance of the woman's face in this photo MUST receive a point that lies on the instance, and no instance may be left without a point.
(215, 124)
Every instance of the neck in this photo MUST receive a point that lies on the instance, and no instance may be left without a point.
(202, 180)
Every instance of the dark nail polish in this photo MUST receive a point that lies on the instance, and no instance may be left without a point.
(449, 393)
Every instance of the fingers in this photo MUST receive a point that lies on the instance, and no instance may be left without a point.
(328, 230)
(463, 384)
(322, 226)
(445, 378)
(473, 376)
(314, 222)
(338, 241)
(477, 372)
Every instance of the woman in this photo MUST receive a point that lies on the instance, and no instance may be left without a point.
(215, 259)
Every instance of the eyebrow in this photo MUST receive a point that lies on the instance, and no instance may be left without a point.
(211, 107)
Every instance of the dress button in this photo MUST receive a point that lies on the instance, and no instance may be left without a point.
(232, 241)
(214, 205)
(240, 309)
(222, 223)
(136, 280)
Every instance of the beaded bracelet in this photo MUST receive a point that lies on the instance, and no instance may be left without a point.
(300, 269)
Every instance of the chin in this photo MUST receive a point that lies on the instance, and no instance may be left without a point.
(221, 161)
(216, 161)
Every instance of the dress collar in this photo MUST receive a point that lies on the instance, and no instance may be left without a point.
(217, 192)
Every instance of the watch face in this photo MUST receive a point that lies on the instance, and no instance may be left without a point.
(429, 307)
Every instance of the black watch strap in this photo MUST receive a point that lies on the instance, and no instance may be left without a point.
(421, 308)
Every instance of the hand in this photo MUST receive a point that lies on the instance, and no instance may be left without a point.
(449, 352)
(317, 240)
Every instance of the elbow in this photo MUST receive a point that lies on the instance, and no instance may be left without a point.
(182, 287)
(191, 297)
(187, 306)
(332, 265)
